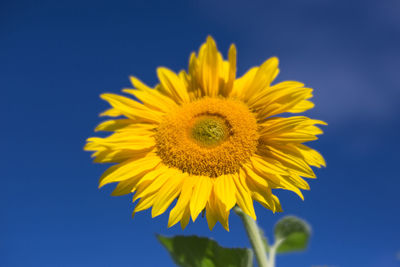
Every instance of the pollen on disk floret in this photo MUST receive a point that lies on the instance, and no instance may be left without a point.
(210, 136)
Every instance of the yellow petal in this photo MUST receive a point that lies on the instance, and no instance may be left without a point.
(310, 155)
(193, 75)
(243, 197)
(277, 203)
(216, 211)
(290, 161)
(223, 216)
(131, 108)
(112, 125)
(283, 103)
(144, 203)
(302, 106)
(286, 185)
(211, 214)
(263, 78)
(139, 84)
(150, 187)
(261, 176)
(134, 139)
(261, 190)
(125, 187)
(278, 125)
(274, 93)
(185, 217)
(231, 71)
(240, 85)
(177, 212)
(116, 156)
(267, 165)
(115, 153)
(255, 178)
(295, 129)
(111, 113)
(225, 190)
(129, 169)
(209, 68)
(301, 153)
(201, 193)
(288, 96)
(153, 99)
(168, 192)
(266, 200)
(153, 174)
(172, 85)
(297, 181)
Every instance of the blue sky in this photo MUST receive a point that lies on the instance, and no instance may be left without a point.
(56, 57)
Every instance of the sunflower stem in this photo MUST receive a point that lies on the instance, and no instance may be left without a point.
(255, 237)
(272, 253)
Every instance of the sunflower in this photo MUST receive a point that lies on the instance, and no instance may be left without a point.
(208, 139)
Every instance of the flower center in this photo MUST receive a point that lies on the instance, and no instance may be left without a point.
(209, 131)
(210, 137)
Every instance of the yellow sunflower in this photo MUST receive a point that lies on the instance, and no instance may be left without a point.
(208, 139)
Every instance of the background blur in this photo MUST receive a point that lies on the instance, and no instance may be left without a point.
(56, 57)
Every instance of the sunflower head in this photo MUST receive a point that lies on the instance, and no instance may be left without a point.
(208, 139)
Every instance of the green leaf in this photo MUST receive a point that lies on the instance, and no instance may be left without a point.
(194, 251)
(292, 234)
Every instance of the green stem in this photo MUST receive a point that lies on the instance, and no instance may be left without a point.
(272, 252)
(255, 237)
